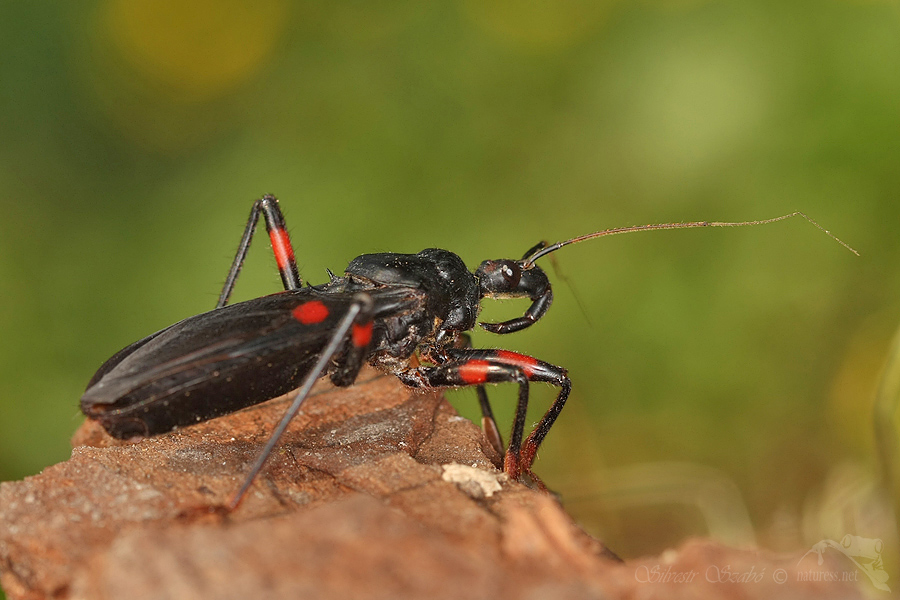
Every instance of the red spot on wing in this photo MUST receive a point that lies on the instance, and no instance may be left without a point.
(281, 246)
(361, 334)
(474, 371)
(524, 362)
(311, 312)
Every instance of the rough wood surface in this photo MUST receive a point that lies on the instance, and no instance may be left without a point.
(375, 492)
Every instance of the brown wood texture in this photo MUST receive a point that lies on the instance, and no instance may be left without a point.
(374, 492)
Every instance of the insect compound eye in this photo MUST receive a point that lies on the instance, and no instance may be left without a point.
(511, 273)
(499, 276)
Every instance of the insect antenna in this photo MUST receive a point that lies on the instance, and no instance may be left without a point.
(541, 252)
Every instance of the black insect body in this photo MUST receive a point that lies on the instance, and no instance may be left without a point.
(390, 310)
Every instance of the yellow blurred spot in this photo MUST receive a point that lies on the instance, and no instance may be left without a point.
(194, 49)
(537, 24)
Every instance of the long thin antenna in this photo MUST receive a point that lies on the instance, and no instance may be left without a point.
(529, 261)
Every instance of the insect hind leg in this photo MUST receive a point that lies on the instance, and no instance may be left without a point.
(359, 314)
(281, 247)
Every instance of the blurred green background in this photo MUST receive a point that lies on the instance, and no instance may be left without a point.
(724, 379)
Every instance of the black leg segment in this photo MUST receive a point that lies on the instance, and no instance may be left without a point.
(358, 317)
(281, 247)
(467, 367)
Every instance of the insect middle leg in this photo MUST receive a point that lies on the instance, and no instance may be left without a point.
(281, 247)
(468, 367)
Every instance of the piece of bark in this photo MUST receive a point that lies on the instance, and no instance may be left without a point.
(374, 492)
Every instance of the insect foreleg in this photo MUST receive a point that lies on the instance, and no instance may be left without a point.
(467, 367)
(488, 422)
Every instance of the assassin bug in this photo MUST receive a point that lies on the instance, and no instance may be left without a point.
(390, 310)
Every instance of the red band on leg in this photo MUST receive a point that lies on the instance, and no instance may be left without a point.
(361, 334)
(524, 362)
(474, 371)
(281, 246)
